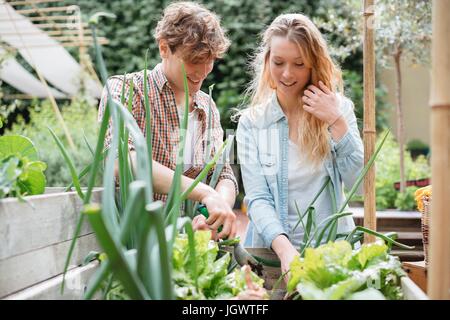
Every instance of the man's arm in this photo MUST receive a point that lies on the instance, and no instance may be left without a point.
(227, 190)
(220, 212)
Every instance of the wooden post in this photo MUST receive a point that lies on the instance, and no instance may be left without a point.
(439, 268)
(370, 218)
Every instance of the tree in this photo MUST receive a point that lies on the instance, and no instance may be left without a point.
(403, 33)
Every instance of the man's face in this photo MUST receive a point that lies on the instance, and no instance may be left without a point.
(196, 72)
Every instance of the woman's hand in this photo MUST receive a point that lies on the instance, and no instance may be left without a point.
(285, 252)
(322, 103)
(199, 223)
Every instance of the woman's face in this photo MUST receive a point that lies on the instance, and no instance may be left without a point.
(287, 68)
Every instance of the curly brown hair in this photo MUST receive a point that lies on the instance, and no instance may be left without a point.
(192, 30)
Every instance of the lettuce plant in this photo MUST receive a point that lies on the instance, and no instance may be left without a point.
(21, 172)
(334, 271)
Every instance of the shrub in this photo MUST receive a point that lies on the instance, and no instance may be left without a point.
(81, 119)
(388, 172)
(406, 201)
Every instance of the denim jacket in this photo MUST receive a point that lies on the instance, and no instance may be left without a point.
(262, 137)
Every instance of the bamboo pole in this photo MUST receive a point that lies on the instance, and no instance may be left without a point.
(26, 3)
(439, 268)
(70, 25)
(43, 10)
(63, 43)
(370, 218)
(41, 18)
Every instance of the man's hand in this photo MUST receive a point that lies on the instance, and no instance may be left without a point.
(220, 213)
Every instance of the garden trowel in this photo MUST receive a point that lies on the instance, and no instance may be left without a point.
(241, 255)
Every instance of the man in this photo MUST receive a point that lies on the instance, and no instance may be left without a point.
(187, 33)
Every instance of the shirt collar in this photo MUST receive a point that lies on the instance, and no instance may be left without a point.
(275, 108)
(159, 76)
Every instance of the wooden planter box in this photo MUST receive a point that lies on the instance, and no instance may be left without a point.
(35, 237)
(271, 275)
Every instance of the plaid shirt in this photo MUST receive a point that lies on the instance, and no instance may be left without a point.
(166, 121)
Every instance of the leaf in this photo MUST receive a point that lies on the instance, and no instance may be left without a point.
(34, 178)
(367, 254)
(119, 263)
(19, 146)
(69, 163)
(324, 266)
(367, 294)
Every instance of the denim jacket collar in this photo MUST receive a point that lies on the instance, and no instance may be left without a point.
(275, 109)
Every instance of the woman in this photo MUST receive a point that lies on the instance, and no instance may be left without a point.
(298, 131)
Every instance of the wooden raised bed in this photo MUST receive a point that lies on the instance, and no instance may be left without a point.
(35, 237)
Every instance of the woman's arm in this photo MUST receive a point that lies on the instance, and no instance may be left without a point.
(285, 252)
(261, 204)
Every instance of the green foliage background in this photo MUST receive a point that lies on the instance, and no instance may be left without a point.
(388, 172)
(131, 34)
(81, 119)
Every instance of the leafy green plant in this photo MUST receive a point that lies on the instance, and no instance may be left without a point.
(388, 173)
(406, 201)
(416, 144)
(334, 271)
(80, 115)
(210, 279)
(21, 172)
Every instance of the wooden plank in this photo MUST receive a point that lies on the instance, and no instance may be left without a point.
(411, 290)
(43, 10)
(76, 282)
(417, 272)
(408, 255)
(439, 244)
(42, 221)
(27, 269)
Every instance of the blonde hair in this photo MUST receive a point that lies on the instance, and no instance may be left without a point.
(299, 29)
(193, 30)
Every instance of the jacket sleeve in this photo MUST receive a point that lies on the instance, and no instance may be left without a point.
(260, 201)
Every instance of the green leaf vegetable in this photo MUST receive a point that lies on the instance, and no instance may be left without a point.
(214, 282)
(334, 271)
(209, 280)
(21, 172)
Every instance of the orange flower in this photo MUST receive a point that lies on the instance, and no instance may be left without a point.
(419, 194)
